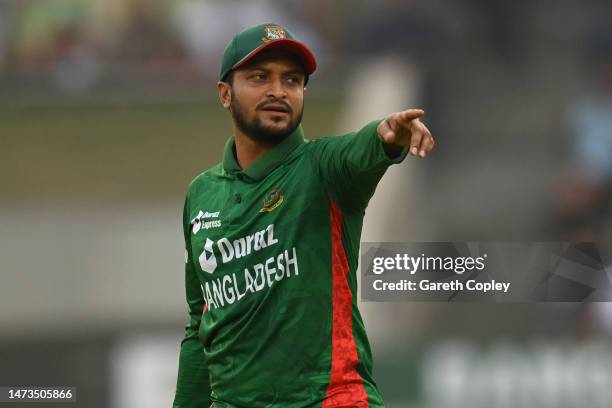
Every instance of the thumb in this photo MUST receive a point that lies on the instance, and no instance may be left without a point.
(386, 132)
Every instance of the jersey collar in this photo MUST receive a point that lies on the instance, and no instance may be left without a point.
(268, 161)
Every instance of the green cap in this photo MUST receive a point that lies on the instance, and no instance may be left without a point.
(251, 41)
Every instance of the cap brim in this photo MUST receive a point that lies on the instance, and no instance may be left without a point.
(284, 44)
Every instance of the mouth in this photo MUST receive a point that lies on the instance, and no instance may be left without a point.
(276, 108)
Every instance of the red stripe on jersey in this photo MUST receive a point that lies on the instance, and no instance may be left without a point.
(345, 388)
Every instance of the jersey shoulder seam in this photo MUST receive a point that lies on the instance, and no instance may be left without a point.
(211, 172)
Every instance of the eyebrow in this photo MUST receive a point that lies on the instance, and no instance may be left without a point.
(295, 71)
(292, 71)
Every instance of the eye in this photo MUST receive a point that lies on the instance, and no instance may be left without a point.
(259, 76)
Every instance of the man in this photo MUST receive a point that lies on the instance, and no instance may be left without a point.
(272, 237)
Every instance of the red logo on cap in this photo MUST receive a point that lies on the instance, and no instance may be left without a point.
(273, 32)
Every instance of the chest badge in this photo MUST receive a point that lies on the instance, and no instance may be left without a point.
(272, 199)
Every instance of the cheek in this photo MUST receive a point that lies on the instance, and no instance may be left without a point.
(297, 101)
(246, 101)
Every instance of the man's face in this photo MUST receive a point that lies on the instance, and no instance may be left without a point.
(267, 97)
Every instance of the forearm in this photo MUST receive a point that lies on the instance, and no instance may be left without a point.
(192, 384)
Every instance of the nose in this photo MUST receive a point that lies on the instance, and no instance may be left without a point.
(277, 89)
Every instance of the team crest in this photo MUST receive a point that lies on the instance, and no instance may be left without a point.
(272, 200)
(273, 32)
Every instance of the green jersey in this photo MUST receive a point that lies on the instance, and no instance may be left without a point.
(270, 275)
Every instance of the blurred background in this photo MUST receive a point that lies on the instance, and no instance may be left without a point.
(108, 108)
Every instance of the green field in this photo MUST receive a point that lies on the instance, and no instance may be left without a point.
(119, 150)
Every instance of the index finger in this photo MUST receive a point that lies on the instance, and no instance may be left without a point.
(411, 114)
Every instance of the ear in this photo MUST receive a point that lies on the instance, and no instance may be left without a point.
(225, 94)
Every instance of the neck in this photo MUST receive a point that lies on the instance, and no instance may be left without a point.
(248, 150)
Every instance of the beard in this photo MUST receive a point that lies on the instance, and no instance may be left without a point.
(257, 131)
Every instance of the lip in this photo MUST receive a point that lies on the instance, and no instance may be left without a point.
(274, 107)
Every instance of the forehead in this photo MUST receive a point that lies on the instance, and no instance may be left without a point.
(273, 60)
